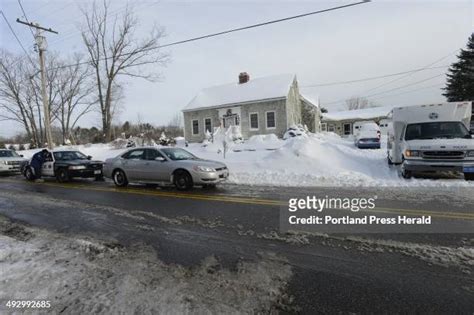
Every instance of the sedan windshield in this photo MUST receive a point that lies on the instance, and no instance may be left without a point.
(178, 154)
(69, 156)
(8, 153)
(436, 130)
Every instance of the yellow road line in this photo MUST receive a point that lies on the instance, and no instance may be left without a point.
(245, 200)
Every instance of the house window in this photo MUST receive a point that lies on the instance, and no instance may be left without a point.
(331, 128)
(195, 127)
(324, 126)
(347, 129)
(208, 124)
(270, 118)
(253, 121)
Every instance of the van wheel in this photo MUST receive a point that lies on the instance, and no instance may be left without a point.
(183, 180)
(120, 179)
(404, 173)
(469, 176)
(62, 175)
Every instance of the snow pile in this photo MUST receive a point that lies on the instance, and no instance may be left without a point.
(87, 276)
(295, 131)
(260, 142)
(323, 159)
(317, 161)
(180, 142)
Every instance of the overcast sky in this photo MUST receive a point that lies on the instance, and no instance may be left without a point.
(373, 39)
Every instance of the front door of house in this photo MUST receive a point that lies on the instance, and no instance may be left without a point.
(230, 119)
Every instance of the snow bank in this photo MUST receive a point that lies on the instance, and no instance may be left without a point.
(323, 159)
(260, 142)
(85, 276)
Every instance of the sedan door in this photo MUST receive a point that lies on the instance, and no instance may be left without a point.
(133, 163)
(157, 166)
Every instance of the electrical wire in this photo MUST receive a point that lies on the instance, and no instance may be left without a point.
(372, 78)
(26, 18)
(17, 39)
(231, 31)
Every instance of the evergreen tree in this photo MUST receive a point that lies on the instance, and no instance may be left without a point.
(460, 81)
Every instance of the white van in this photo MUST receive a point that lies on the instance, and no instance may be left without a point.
(432, 137)
(385, 125)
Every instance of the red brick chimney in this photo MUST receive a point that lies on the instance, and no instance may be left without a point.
(244, 77)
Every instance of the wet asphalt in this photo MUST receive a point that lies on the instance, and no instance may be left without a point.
(331, 274)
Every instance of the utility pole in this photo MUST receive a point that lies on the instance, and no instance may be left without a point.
(41, 45)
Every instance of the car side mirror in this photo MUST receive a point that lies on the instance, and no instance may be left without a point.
(89, 157)
(160, 158)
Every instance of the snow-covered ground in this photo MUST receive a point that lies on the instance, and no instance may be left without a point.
(323, 159)
(80, 275)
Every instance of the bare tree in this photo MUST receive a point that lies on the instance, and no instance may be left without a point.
(176, 121)
(75, 90)
(114, 50)
(20, 94)
(358, 102)
(16, 100)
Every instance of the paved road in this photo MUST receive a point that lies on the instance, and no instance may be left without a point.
(337, 273)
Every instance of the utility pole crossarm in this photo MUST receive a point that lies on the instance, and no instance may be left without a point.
(37, 26)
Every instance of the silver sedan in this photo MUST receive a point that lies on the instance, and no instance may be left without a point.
(151, 165)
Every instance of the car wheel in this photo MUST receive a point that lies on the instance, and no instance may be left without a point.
(29, 174)
(120, 179)
(469, 176)
(183, 180)
(62, 175)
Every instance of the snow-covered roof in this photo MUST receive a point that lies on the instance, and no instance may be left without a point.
(366, 113)
(311, 99)
(257, 89)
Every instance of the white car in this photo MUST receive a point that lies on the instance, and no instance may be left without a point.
(10, 161)
(368, 136)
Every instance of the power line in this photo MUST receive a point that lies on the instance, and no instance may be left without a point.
(232, 30)
(410, 91)
(407, 85)
(26, 18)
(397, 79)
(17, 39)
(372, 78)
(394, 89)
